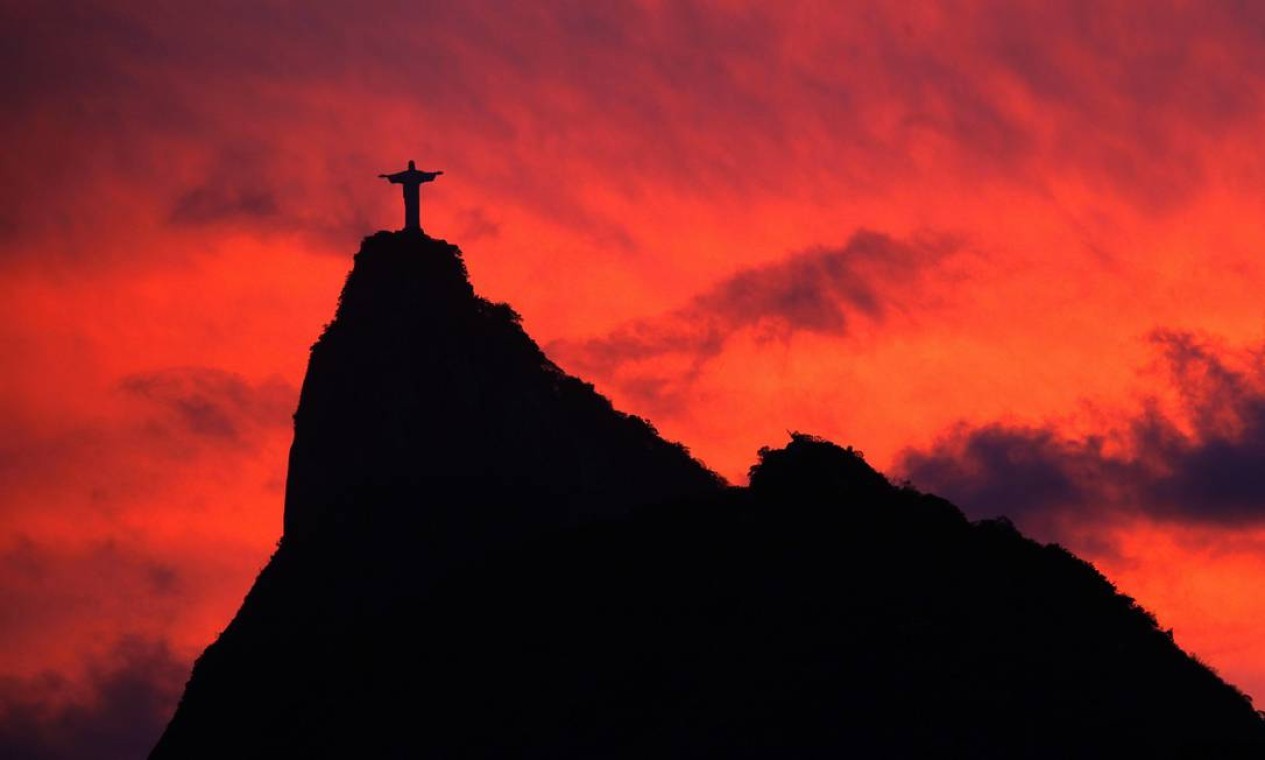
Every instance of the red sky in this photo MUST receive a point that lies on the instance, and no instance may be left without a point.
(1011, 251)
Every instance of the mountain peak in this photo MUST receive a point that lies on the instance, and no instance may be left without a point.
(406, 277)
(421, 396)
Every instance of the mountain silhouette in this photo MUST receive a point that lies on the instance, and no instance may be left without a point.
(483, 558)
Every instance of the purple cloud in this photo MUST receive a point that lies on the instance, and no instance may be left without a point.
(115, 713)
(1204, 463)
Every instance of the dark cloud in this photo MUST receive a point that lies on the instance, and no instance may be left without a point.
(475, 223)
(996, 470)
(116, 712)
(158, 428)
(211, 203)
(93, 586)
(236, 186)
(34, 570)
(821, 291)
(209, 403)
(1204, 462)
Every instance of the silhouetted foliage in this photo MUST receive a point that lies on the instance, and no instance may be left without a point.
(484, 559)
(813, 466)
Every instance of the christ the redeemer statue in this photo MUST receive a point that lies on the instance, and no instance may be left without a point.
(412, 180)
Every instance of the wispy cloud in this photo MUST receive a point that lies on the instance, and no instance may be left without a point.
(822, 290)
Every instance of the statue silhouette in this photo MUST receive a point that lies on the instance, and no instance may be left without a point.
(412, 180)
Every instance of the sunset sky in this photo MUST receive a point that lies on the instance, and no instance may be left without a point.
(1013, 252)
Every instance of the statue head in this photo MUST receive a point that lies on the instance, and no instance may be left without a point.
(410, 166)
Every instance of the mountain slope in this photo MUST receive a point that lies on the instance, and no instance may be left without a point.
(482, 558)
(420, 393)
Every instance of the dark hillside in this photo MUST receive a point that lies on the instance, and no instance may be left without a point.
(815, 616)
